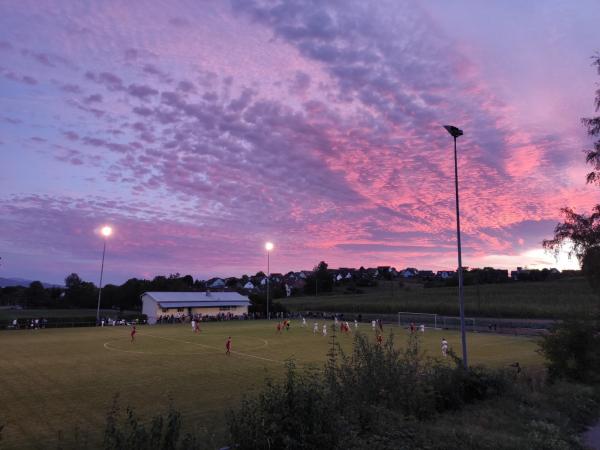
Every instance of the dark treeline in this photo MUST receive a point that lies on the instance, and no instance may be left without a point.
(78, 293)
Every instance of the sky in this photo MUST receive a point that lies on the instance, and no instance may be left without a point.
(199, 130)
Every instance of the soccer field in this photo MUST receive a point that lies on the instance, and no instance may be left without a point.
(59, 379)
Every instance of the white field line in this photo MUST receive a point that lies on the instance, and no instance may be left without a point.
(247, 355)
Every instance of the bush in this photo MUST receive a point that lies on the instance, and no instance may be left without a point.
(375, 397)
(572, 351)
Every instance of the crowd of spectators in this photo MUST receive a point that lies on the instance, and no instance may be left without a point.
(32, 324)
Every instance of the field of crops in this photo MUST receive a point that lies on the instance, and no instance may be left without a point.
(550, 299)
(57, 380)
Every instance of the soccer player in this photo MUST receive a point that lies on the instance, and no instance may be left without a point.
(278, 327)
(194, 325)
(355, 324)
(197, 329)
(517, 367)
(422, 328)
(324, 329)
(315, 327)
(379, 339)
(228, 346)
(444, 347)
(373, 324)
(304, 321)
(412, 327)
(133, 334)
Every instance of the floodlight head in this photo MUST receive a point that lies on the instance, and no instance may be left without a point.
(269, 246)
(106, 231)
(455, 132)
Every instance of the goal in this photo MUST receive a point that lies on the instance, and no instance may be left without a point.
(451, 322)
(405, 318)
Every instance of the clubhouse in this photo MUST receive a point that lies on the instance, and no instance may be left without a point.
(156, 304)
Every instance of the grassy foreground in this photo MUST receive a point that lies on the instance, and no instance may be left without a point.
(60, 379)
(570, 297)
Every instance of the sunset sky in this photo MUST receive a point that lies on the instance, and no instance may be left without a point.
(200, 130)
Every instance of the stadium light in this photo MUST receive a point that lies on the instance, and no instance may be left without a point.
(268, 247)
(106, 231)
(455, 133)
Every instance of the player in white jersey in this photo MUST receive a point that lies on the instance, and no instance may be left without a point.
(373, 324)
(193, 325)
(324, 329)
(444, 347)
(355, 324)
(304, 321)
(315, 328)
(422, 328)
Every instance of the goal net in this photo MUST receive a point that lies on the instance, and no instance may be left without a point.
(449, 322)
(405, 318)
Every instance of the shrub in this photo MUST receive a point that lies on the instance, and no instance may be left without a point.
(128, 432)
(572, 351)
(375, 397)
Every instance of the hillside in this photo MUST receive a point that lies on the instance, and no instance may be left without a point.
(570, 297)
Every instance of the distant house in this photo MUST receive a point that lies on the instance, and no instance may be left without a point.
(215, 283)
(519, 273)
(372, 272)
(155, 304)
(426, 274)
(409, 272)
(249, 286)
(276, 278)
(445, 274)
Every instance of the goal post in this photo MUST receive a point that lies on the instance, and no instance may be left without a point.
(405, 318)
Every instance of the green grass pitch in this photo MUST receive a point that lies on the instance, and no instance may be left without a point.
(60, 379)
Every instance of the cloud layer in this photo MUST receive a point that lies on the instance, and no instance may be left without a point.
(201, 134)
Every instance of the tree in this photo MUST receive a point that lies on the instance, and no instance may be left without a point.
(72, 281)
(79, 293)
(593, 128)
(36, 295)
(319, 281)
(583, 232)
(571, 351)
(591, 268)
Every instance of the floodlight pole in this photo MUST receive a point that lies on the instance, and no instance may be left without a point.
(268, 282)
(100, 290)
(455, 132)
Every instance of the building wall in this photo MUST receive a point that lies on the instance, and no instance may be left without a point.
(149, 307)
(213, 311)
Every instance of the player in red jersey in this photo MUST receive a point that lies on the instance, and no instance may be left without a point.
(228, 346)
(133, 334)
(379, 339)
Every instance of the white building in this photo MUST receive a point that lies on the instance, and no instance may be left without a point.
(155, 304)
